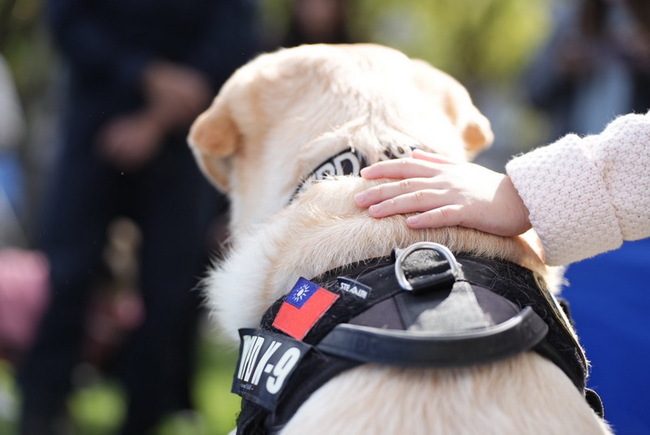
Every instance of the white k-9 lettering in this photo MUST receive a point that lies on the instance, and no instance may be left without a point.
(252, 366)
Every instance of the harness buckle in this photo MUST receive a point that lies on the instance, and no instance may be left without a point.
(433, 277)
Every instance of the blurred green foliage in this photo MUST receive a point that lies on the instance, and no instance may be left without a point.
(25, 44)
(486, 40)
(483, 43)
(97, 407)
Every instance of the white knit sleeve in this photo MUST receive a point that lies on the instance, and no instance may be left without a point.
(586, 195)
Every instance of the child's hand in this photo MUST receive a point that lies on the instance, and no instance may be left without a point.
(446, 193)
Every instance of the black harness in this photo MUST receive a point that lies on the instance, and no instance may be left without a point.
(421, 307)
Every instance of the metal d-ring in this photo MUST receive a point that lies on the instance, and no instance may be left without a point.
(402, 254)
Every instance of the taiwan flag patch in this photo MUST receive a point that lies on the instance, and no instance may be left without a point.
(303, 306)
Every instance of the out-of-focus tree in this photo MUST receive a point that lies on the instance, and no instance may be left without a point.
(487, 40)
(25, 45)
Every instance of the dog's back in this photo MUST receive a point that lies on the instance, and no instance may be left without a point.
(323, 230)
(274, 122)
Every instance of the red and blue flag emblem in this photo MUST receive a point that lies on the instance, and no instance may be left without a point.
(303, 306)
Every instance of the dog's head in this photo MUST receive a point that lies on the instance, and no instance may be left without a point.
(284, 113)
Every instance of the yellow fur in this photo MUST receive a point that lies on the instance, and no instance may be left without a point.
(278, 118)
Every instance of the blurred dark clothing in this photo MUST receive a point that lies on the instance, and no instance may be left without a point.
(108, 46)
(108, 43)
(594, 67)
(318, 21)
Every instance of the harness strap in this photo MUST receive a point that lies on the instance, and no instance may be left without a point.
(315, 369)
(519, 285)
(366, 323)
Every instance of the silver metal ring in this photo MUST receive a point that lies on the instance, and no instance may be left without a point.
(402, 254)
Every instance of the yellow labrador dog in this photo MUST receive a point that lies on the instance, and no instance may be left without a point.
(280, 139)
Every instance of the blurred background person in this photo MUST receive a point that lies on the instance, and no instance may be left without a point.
(139, 72)
(594, 67)
(307, 22)
(317, 21)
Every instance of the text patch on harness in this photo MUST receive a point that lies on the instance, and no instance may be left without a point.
(266, 361)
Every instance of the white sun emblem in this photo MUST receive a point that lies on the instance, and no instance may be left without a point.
(301, 293)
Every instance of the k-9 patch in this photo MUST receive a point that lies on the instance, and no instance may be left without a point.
(266, 361)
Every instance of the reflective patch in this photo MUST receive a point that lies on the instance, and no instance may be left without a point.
(347, 162)
(266, 361)
(392, 151)
(351, 286)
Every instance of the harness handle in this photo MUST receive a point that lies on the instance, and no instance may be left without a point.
(402, 255)
(423, 349)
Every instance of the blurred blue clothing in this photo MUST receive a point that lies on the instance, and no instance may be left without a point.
(11, 179)
(610, 302)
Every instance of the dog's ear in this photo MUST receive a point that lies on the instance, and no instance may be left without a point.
(474, 127)
(213, 138)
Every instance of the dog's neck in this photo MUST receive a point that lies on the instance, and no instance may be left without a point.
(349, 161)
